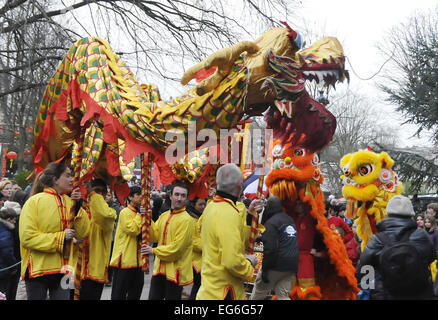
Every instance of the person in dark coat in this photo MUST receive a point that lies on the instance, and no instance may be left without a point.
(7, 257)
(399, 222)
(430, 225)
(280, 253)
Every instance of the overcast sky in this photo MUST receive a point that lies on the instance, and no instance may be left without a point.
(359, 26)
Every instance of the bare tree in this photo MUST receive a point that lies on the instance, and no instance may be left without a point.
(28, 56)
(157, 39)
(358, 126)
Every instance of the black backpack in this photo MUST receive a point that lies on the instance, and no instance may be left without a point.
(402, 269)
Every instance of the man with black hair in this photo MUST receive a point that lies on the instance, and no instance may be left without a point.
(173, 255)
(126, 257)
(337, 222)
(280, 253)
(95, 249)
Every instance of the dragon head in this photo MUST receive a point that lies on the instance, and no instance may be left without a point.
(279, 71)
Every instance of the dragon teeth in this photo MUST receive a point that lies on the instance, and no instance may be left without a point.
(319, 75)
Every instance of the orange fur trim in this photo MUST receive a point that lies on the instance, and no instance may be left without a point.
(304, 174)
(335, 246)
(285, 190)
(311, 293)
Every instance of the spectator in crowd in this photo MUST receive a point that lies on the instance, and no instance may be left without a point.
(6, 188)
(16, 238)
(330, 210)
(432, 209)
(173, 232)
(7, 257)
(128, 278)
(157, 202)
(340, 208)
(19, 197)
(280, 253)
(356, 237)
(15, 187)
(394, 278)
(338, 222)
(430, 225)
(2, 199)
(420, 220)
(352, 246)
(166, 199)
(195, 209)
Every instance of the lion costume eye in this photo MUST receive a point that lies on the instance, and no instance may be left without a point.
(299, 152)
(365, 169)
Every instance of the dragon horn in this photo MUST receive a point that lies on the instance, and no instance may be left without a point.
(224, 60)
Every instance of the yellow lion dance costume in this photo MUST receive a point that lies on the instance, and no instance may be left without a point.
(369, 183)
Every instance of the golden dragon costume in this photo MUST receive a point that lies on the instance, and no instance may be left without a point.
(96, 113)
(369, 181)
(97, 116)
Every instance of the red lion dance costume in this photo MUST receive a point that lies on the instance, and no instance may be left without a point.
(296, 176)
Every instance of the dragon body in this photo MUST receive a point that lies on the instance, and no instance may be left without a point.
(93, 104)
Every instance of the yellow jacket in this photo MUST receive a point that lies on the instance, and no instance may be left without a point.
(43, 219)
(96, 249)
(126, 251)
(224, 266)
(173, 231)
(197, 249)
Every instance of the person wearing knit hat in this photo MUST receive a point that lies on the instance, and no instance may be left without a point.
(13, 205)
(16, 208)
(399, 227)
(7, 257)
(400, 206)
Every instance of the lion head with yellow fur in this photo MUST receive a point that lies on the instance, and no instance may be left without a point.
(369, 183)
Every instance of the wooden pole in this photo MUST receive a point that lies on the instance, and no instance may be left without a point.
(255, 215)
(146, 177)
(68, 244)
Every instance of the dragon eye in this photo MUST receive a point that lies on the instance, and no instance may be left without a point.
(299, 152)
(364, 169)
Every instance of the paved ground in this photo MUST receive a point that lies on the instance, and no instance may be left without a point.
(106, 294)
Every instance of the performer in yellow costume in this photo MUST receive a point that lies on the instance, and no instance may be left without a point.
(173, 255)
(126, 257)
(96, 248)
(47, 227)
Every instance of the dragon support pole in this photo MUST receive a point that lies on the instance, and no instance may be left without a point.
(255, 216)
(146, 170)
(68, 244)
